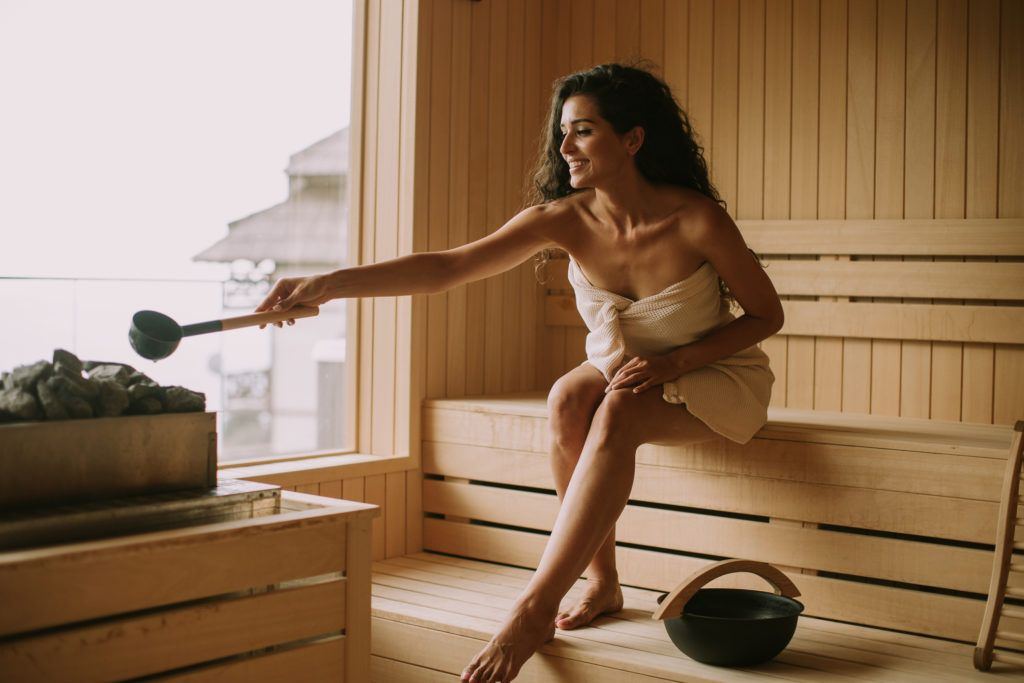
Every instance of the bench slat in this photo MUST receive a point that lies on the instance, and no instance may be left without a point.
(924, 237)
(921, 563)
(910, 279)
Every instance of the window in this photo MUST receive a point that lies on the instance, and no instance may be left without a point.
(141, 162)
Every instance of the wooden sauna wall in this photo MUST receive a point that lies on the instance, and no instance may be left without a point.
(806, 109)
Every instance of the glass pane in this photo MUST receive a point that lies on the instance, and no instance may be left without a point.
(141, 167)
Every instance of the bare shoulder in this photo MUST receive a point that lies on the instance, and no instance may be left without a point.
(555, 219)
(707, 226)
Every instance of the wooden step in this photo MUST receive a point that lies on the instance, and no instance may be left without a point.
(432, 613)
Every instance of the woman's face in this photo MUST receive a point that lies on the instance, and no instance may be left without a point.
(594, 151)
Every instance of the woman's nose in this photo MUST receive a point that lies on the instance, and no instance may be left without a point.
(567, 144)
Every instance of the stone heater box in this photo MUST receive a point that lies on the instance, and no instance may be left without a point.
(123, 556)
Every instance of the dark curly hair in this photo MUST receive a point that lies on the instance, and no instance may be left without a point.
(626, 96)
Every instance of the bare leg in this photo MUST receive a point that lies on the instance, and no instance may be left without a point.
(571, 405)
(594, 499)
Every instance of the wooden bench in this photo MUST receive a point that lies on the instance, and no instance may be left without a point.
(885, 523)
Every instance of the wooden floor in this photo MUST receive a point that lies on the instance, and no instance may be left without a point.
(432, 613)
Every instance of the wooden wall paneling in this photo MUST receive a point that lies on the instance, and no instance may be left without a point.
(750, 145)
(804, 175)
(604, 31)
(950, 177)
(982, 108)
(395, 499)
(700, 59)
(581, 39)
(677, 22)
(860, 174)
(331, 489)
(385, 316)
(1011, 111)
(982, 181)
(496, 289)
(476, 217)
(725, 100)
(778, 75)
(627, 30)
(354, 489)
(458, 190)
(890, 112)
(919, 181)
(652, 32)
(1008, 389)
(828, 351)
(517, 294)
(375, 493)
(535, 101)
(413, 511)
(437, 187)
(311, 487)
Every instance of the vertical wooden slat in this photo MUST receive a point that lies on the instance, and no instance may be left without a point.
(458, 190)
(413, 511)
(983, 38)
(395, 514)
(354, 489)
(375, 493)
(518, 294)
(751, 106)
(677, 23)
(1011, 111)
(581, 40)
(890, 112)
(652, 26)
(699, 73)
(950, 178)
(725, 100)
(919, 181)
(860, 174)
(496, 123)
(437, 184)
(828, 351)
(536, 95)
(604, 31)
(627, 30)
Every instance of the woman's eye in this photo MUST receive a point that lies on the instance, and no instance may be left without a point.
(584, 131)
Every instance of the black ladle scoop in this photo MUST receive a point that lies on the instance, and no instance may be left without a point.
(154, 335)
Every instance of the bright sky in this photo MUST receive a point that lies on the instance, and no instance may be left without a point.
(133, 131)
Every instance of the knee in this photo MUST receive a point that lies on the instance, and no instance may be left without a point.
(615, 422)
(569, 415)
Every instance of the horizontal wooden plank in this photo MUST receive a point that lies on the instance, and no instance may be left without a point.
(160, 641)
(318, 661)
(909, 279)
(861, 603)
(922, 322)
(847, 506)
(806, 547)
(473, 421)
(924, 237)
(150, 570)
(867, 320)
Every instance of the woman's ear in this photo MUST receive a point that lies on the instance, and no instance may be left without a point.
(634, 140)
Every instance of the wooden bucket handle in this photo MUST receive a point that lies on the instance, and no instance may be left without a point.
(673, 604)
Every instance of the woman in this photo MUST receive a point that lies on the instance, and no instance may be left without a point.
(623, 188)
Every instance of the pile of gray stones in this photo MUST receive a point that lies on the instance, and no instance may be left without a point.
(68, 388)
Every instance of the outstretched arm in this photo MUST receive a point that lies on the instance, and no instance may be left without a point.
(425, 273)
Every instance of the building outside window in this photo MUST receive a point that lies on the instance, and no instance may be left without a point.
(180, 156)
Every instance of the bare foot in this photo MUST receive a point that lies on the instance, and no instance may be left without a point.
(601, 597)
(500, 660)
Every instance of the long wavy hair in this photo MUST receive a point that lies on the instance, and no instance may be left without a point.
(626, 96)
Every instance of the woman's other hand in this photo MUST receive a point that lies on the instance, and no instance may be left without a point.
(642, 373)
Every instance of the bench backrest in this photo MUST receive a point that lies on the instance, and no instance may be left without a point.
(919, 318)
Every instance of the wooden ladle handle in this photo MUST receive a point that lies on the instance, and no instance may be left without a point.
(673, 604)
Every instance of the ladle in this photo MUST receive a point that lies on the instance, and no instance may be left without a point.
(154, 335)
